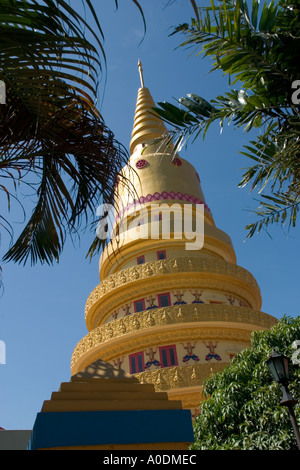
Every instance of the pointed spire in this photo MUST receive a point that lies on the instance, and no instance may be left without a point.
(147, 125)
(141, 73)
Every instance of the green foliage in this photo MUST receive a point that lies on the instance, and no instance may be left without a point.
(54, 144)
(257, 48)
(241, 410)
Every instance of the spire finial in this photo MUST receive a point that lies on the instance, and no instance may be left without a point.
(141, 73)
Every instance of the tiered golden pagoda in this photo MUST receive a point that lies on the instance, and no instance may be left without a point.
(165, 313)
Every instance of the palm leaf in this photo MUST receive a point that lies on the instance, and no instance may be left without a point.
(53, 139)
(52, 136)
(256, 46)
(275, 209)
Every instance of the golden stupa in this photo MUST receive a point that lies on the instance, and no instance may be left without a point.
(166, 311)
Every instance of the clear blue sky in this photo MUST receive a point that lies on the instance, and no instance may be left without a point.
(42, 309)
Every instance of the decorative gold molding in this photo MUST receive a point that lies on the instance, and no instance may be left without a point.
(182, 383)
(216, 242)
(193, 321)
(171, 378)
(190, 400)
(119, 287)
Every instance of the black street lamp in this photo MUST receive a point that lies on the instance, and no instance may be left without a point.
(279, 367)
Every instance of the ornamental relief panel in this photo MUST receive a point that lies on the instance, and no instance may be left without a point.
(183, 354)
(168, 267)
(179, 377)
(177, 297)
(152, 327)
(86, 352)
(122, 305)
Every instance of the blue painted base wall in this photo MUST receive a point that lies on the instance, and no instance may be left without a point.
(71, 429)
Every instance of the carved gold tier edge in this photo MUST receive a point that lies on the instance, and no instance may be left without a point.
(154, 270)
(182, 383)
(173, 378)
(125, 334)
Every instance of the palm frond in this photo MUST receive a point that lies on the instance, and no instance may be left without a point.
(256, 46)
(52, 136)
(276, 209)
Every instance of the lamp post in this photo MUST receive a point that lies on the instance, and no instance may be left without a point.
(279, 367)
